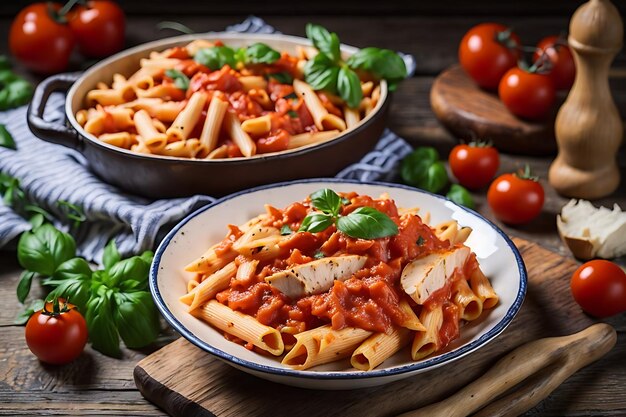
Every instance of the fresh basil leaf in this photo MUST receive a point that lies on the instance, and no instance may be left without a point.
(23, 287)
(321, 74)
(286, 230)
(316, 222)
(132, 268)
(19, 91)
(415, 165)
(460, 195)
(45, 248)
(181, 81)
(136, 318)
(327, 201)
(110, 256)
(327, 43)
(282, 78)
(260, 53)
(34, 255)
(367, 223)
(72, 280)
(436, 178)
(381, 63)
(131, 285)
(36, 221)
(100, 323)
(240, 55)
(216, 57)
(6, 140)
(23, 316)
(147, 257)
(349, 87)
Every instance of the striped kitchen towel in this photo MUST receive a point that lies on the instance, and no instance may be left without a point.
(49, 173)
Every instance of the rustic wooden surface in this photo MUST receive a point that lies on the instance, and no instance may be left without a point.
(180, 376)
(97, 385)
(469, 111)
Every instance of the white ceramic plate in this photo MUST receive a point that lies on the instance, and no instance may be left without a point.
(497, 255)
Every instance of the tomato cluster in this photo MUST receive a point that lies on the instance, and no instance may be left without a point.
(490, 53)
(43, 35)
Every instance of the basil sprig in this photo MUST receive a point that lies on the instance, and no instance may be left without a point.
(327, 71)
(114, 300)
(362, 223)
(381, 63)
(181, 81)
(6, 139)
(216, 57)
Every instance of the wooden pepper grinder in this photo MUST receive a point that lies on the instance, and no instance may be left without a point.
(588, 126)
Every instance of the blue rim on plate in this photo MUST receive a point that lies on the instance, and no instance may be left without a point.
(432, 362)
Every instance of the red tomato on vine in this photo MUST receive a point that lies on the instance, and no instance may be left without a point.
(57, 334)
(487, 51)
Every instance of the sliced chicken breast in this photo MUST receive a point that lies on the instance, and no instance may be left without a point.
(317, 276)
(422, 277)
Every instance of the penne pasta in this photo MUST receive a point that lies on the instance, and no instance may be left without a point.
(151, 137)
(257, 126)
(238, 135)
(207, 289)
(182, 127)
(323, 120)
(378, 348)
(426, 343)
(353, 116)
(323, 345)
(470, 306)
(482, 288)
(305, 139)
(213, 124)
(242, 326)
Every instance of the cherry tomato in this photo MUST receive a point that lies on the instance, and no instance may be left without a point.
(527, 95)
(38, 41)
(474, 165)
(487, 51)
(599, 287)
(99, 27)
(56, 336)
(515, 198)
(563, 70)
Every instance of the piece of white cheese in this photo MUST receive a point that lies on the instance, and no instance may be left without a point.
(317, 276)
(591, 232)
(422, 277)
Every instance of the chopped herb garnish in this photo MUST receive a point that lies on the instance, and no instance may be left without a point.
(420, 241)
(319, 255)
(293, 114)
(285, 230)
(292, 96)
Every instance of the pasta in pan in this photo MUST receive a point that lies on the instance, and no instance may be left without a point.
(316, 294)
(196, 101)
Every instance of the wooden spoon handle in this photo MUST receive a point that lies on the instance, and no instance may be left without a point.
(560, 357)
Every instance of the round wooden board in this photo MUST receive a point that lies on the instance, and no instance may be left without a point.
(472, 113)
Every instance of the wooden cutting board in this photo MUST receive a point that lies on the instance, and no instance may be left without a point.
(472, 113)
(186, 381)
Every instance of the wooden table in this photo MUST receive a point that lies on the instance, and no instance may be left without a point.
(98, 385)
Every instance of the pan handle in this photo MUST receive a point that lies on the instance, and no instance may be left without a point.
(46, 130)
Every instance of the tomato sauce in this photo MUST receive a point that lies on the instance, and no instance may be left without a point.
(370, 298)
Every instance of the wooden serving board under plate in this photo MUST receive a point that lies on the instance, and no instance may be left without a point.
(186, 381)
(472, 113)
